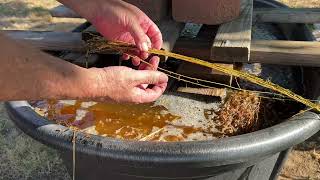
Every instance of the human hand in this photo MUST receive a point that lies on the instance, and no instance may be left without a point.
(123, 84)
(117, 20)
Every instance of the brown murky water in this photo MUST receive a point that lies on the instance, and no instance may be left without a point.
(125, 121)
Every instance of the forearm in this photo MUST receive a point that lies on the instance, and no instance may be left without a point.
(93, 10)
(85, 8)
(28, 74)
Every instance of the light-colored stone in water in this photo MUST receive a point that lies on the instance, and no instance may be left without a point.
(80, 114)
(88, 104)
(67, 102)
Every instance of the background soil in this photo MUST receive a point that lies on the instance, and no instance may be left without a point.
(23, 158)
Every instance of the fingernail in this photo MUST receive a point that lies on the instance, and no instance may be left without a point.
(144, 47)
(149, 42)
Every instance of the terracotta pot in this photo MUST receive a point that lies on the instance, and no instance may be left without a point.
(205, 11)
(155, 9)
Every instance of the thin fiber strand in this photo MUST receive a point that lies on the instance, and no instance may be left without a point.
(99, 44)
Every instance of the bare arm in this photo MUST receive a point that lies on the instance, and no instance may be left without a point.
(28, 74)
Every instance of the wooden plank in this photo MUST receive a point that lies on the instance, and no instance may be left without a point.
(185, 68)
(233, 39)
(53, 41)
(200, 72)
(196, 47)
(57, 41)
(305, 53)
(219, 92)
(64, 12)
(272, 15)
(263, 51)
(287, 15)
(80, 58)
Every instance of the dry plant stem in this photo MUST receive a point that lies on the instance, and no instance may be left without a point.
(302, 112)
(74, 155)
(239, 114)
(75, 130)
(210, 82)
(127, 48)
(243, 75)
(99, 45)
(168, 73)
(146, 138)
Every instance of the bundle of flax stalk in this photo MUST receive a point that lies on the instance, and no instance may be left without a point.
(239, 114)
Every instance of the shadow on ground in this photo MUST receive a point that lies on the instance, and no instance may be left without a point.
(312, 143)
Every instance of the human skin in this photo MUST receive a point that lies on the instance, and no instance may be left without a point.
(117, 20)
(28, 74)
(31, 74)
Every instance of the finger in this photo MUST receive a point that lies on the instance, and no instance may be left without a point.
(144, 66)
(136, 61)
(149, 95)
(149, 77)
(148, 41)
(155, 36)
(154, 61)
(125, 57)
(152, 65)
(143, 55)
(139, 37)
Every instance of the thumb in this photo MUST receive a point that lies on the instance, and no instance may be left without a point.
(140, 38)
(150, 77)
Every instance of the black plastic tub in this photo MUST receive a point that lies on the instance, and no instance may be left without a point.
(257, 155)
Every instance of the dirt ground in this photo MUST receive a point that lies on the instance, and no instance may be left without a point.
(23, 158)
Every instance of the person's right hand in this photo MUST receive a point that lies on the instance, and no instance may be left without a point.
(118, 20)
(123, 84)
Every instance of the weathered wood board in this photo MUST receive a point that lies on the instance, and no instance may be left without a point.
(218, 92)
(287, 15)
(185, 68)
(304, 53)
(233, 40)
(298, 53)
(52, 41)
(200, 72)
(63, 12)
(272, 15)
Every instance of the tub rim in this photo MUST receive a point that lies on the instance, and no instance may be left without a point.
(231, 150)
